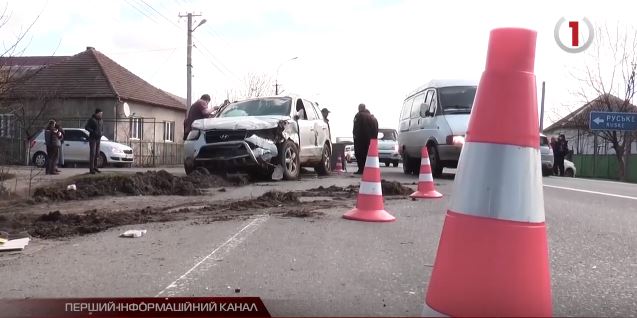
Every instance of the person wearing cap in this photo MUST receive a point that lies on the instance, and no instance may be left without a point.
(198, 110)
(325, 112)
(95, 128)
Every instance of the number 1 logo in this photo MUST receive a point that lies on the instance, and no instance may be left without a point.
(574, 43)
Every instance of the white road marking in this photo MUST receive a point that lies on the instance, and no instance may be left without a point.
(593, 192)
(176, 287)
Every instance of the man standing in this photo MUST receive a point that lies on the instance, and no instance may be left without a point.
(52, 141)
(198, 110)
(95, 127)
(365, 129)
(560, 153)
(325, 112)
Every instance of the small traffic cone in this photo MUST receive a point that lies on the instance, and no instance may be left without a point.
(369, 203)
(492, 257)
(426, 187)
(339, 166)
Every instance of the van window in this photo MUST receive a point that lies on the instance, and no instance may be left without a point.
(426, 105)
(457, 99)
(415, 108)
(544, 141)
(406, 108)
(433, 103)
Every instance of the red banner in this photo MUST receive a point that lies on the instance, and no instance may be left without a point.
(134, 307)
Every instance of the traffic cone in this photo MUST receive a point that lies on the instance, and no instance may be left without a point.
(339, 165)
(369, 203)
(492, 257)
(426, 187)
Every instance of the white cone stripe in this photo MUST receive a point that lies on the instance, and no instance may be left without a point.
(425, 177)
(425, 162)
(371, 188)
(499, 181)
(372, 162)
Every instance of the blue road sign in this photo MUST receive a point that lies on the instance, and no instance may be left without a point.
(613, 121)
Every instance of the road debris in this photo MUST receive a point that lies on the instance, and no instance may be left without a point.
(13, 241)
(133, 233)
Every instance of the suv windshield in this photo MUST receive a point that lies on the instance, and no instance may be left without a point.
(457, 99)
(387, 134)
(272, 106)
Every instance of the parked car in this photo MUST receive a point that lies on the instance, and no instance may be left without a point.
(350, 155)
(264, 135)
(388, 147)
(569, 168)
(76, 149)
(436, 115)
(547, 156)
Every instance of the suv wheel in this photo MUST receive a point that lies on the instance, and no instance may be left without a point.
(434, 159)
(325, 167)
(395, 163)
(289, 158)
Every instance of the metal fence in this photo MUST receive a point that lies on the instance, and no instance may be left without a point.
(150, 147)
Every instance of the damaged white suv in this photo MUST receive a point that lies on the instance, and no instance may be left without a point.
(271, 136)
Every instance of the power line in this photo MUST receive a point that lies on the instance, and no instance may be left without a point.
(163, 16)
(140, 11)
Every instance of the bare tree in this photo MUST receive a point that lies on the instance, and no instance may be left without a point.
(607, 83)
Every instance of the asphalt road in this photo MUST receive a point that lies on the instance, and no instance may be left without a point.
(334, 267)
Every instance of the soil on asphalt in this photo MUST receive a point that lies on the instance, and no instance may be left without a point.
(389, 188)
(147, 183)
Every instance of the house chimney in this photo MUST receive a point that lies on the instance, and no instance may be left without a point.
(90, 48)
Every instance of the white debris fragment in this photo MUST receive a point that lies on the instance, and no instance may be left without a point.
(71, 187)
(133, 233)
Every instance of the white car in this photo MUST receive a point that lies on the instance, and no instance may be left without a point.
(76, 149)
(569, 169)
(271, 136)
(350, 156)
(388, 147)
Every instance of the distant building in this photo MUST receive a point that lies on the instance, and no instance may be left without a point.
(70, 88)
(575, 126)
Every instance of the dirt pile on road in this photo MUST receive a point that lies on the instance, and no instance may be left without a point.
(390, 188)
(268, 200)
(146, 183)
(395, 188)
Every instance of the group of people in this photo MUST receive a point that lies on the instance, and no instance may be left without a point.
(54, 138)
(560, 151)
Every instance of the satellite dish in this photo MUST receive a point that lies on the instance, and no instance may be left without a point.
(126, 109)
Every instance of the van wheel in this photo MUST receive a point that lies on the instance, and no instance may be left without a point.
(434, 161)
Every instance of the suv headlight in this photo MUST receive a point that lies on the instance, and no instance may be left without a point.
(194, 134)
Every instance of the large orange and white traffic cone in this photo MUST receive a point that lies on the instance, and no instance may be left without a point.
(339, 166)
(426, 187)
(492, 257)
(369, 203)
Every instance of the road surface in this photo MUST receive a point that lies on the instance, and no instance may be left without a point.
(334, 267)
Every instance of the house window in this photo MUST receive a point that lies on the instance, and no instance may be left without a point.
(137, 128)
(7, 123)
(169, 131)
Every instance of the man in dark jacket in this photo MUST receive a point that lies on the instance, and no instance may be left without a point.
(560, 152)
(365, 129)
(52, 141)
(198, 110)
(95, 127)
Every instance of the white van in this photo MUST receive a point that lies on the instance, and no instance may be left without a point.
(435, 115)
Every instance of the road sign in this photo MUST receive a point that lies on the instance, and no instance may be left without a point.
(613, 121)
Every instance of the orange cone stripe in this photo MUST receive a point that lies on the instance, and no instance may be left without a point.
(512, 193)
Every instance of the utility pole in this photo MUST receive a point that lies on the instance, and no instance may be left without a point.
(189, 55)
(542, 109)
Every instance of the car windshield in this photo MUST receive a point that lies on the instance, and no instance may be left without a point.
(387, 134)
(457, 99)
(272, 106)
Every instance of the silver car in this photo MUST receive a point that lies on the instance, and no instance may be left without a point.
(388, 147)
(76, 149)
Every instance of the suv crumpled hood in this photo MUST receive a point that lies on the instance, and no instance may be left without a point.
(239, 123)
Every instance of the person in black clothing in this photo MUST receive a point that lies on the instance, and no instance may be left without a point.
(365, 129)
(95, 128)
(52, 141)
(561, 150)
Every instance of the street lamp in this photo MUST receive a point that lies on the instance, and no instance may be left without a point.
(276, 81)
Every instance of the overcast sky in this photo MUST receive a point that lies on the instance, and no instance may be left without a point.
(348, 52)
